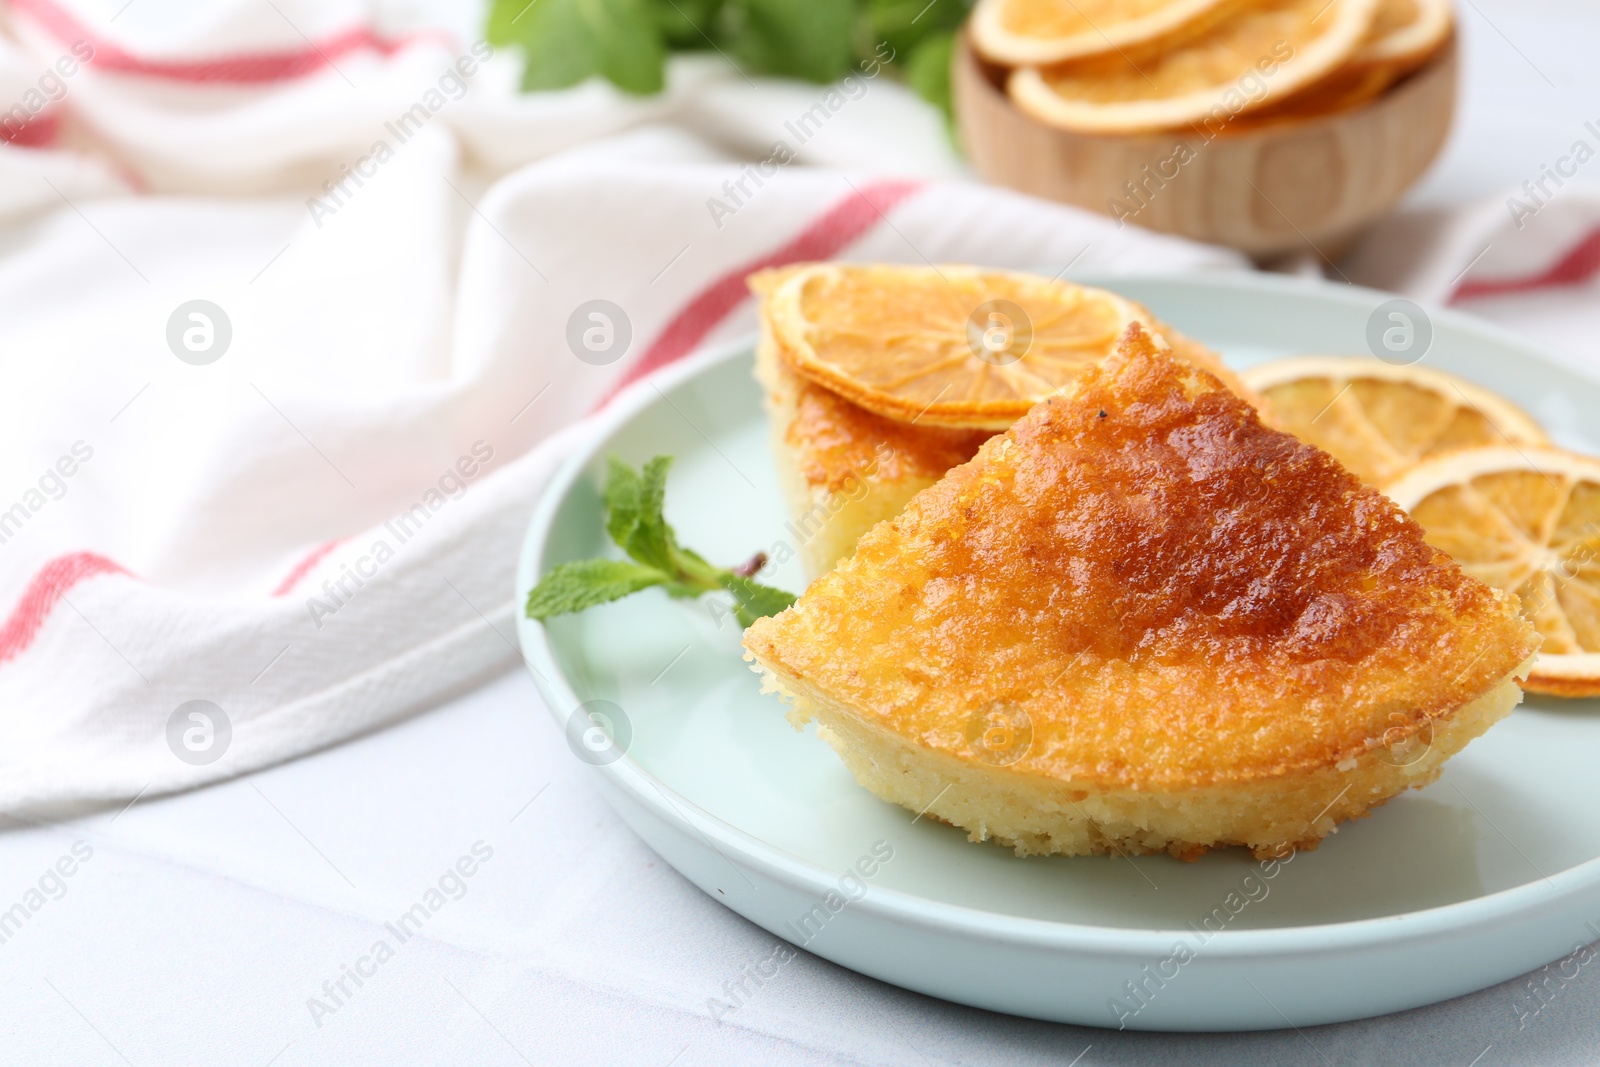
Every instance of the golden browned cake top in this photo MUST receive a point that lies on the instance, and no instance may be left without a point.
(836, 440)
(1168, 592)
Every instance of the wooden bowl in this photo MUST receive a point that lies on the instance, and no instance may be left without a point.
(1270, 191)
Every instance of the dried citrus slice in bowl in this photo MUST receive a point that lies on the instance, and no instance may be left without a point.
(1404, 35)
(948, 345)
(1345, 89)
(1264, 52)
(1405, 32)
(1527, 521)
(1025, 32)
(1380, 419)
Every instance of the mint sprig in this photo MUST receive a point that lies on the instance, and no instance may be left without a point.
(565, 42)
(634, 519)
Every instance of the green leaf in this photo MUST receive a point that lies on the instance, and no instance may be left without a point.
(752, 600)
(632, 53)
(651, 540)
(928, 71)
(686, 24)
(621, 500)
(809, 39)
(905, 24)
(558, 50)
(565, 42)
(505, 16)
(586, 582)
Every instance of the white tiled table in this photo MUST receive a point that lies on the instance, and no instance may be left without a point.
(202, 925)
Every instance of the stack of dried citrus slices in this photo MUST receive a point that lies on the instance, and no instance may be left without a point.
(1481, 477)
(1130, 66)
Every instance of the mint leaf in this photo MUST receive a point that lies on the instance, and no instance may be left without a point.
(565, 42)
(632, 54)
(686, 24)
(558, 50)
(905, 24)
(651, 541)
(587, 582)
(811, 39)
(752, 600)
(621, 500)
(928, 71)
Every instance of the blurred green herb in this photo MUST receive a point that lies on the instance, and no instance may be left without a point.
(627, 41)
(634, 519)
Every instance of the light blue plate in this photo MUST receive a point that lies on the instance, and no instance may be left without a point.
(1488, 873)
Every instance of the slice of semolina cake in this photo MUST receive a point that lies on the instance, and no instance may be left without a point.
(1141, 620)
(842, 468)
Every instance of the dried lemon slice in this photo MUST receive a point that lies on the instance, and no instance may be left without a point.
(943, 346)
(1526, 521)
(1261, 54)
(1379, 419)
(1026, 32)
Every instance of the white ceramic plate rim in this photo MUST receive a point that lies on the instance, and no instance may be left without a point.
(626, 774)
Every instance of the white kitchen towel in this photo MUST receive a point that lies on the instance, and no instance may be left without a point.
(299, 500)
(287, 351)
(1528, 259)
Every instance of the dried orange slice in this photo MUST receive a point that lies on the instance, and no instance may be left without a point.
(1028, 32)
(1405, 32)
(1526, 521)
(1379, 419)
(942, 346)
(1348, 87)
(1262, 53)
(1404, 35)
